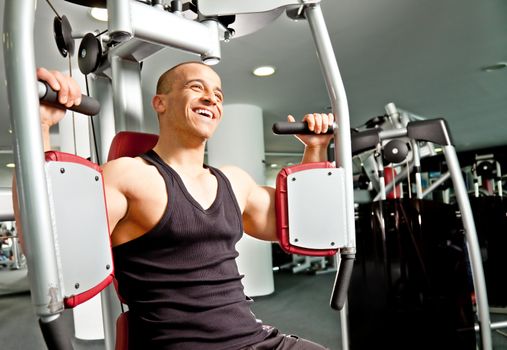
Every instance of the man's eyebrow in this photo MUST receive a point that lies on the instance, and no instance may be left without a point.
(203, 83)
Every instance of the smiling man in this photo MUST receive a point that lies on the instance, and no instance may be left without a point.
(175, 221)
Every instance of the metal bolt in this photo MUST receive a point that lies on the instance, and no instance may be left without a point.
(227, 36)
(96, 178)
(293, 179)
(330, 173)
(76, 286)
(108, 267)
(332, 244)
(62, 170)
(296, 240)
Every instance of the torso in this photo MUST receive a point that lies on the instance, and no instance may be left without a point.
(146, 195)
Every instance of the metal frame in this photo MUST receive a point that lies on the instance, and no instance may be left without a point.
(132, 26)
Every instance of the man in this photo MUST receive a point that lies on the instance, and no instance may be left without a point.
(174, 222)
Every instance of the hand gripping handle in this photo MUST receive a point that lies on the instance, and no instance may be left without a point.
(48, 96)
(289, 128)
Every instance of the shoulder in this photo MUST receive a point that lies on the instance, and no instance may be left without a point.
(123, 166)
(236, 175)
(241, 182)
(126, 171)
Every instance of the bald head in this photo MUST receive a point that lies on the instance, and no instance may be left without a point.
(166, 80)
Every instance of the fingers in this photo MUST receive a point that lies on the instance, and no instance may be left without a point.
(319, 122)
(69, 92)
(45, 75)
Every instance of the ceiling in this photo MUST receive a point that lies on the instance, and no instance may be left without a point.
(425, 56)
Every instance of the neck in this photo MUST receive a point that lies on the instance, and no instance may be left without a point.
(186, 155)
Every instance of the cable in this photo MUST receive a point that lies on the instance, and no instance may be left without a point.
(54, 10)
(102, 32)
(73, 114)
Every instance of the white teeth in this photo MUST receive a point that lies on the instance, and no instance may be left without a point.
(205, 112)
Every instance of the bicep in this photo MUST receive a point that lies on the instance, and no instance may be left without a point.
(116, 203)
(116, 200)
(259, 218)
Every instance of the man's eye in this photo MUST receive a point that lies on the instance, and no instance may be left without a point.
(196, 86)
(219, 97)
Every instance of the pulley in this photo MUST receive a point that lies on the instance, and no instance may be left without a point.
(63, 36)
(395, 151)
(89, 54)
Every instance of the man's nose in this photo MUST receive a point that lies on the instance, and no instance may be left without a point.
(210, 97)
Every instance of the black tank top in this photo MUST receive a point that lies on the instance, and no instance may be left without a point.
(180, 279)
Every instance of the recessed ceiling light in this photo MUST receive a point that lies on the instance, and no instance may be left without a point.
(10, 165)
(494, 67)
(211, 61)
(99, 14)
(264, 71)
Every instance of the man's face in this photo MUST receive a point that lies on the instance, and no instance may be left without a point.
(194, 102)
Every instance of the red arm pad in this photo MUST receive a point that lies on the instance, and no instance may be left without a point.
(70, 301)
(282, 210)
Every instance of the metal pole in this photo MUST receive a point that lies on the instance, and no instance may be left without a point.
(474, 251)
(381, 177)
(111, 309)
(435, 184)
(336, 91)
(101, 89)
(127, 93)
(417, 166)
(343, 148)
(23, 101)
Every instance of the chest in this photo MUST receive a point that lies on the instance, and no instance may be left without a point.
(150, 197)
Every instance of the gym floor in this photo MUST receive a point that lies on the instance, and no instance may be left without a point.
(298, 306)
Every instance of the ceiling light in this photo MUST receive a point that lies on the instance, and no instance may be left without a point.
(99, 14)
(494, 67)
(10, 165)
(210, 61)
(264, 71)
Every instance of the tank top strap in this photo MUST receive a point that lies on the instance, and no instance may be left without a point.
(227, 185)
(153, 158)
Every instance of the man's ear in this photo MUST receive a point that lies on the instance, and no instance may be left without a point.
(158, 104)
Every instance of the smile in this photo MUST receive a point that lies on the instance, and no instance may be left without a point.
(204, 112)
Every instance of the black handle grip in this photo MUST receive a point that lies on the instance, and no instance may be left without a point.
(342, 281)
(288, 128)
(48, 96)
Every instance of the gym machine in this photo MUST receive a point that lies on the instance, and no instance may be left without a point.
(115, 61)
(434, 131)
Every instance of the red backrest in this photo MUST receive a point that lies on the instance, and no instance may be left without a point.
(128, 144)
(131, 144)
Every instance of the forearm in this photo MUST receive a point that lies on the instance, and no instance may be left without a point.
(315, 154)
(45, 137)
